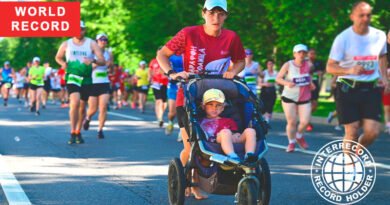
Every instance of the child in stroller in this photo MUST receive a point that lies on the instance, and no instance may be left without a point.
(217, 173)
(225, 130)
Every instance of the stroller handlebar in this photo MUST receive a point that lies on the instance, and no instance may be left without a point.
(192, 76)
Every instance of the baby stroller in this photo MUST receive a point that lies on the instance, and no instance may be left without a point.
(218, 174)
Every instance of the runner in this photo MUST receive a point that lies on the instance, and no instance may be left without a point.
(296, 96)
(134, 97)
(206, 47)
(20, 79)
(127, 87)
(55, 85)
(358, 57)
(142, 85)
(159, 84)
(36, 75)
(26, 84)
(386, 96)
(333, 114)
(177, 65)
(46, 87)
(7, 76)
(101, 87)
(268, 89)
(79, 53)
(64, 92)
(316, 75)
(251, 71)
(115, 79)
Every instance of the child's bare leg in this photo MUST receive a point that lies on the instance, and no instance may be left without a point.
(249, 138)
(224, 137)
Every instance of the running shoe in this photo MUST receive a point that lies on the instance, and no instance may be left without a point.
(161, 124)
(37, 113)
(133, 106)
(100, 134)
(43, 106)
(86, 124)
(329, 119)
(290, 147)
(309, 127)
(302, 143)
(169, 129)
(72, 139)
(250, 157)
(79, 139)
(5, 104)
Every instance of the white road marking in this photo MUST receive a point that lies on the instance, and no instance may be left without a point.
(11, 187)
(124, 116)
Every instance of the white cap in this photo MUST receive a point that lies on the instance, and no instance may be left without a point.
(82, 24)
(210, 4)
(36, 59)
(6, 63)
(142, 63)
(300, 47)
(101, 35)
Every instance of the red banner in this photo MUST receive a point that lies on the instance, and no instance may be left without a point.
(39, 19)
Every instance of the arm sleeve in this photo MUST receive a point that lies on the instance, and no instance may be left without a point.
(237, 50)
(177, 43)
(337, 51)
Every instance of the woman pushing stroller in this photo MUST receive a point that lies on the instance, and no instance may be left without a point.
(205, 47)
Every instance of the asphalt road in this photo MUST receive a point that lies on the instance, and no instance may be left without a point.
(130, 165)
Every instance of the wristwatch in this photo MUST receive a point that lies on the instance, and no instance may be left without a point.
(170, 72)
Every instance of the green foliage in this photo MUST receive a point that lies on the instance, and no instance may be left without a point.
(269, 27)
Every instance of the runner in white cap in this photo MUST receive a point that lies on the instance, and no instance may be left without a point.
(100, 93)
(295, 77)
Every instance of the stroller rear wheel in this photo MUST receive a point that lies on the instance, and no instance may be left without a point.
(264, 177)
(247, 192)
(176, 182)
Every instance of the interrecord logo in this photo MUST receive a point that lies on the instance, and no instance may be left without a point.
(39, 19)
(343, 172)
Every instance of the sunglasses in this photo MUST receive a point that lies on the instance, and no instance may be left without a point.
(103, 39)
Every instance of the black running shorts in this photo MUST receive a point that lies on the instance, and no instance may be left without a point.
(356, 104)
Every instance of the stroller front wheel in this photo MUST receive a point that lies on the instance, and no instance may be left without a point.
(176, 182)
(247, 192)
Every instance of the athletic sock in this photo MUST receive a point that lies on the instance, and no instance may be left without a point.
(299, 135)
(291, 141)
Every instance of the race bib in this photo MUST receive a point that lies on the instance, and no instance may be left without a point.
(101, 74)
(302, 80)
(271, 80)
(250, 79)
(369, 63)
(75, 80)
(156, 86)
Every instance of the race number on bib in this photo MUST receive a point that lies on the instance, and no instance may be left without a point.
(369, 63)
(75, 80)
(301, 80)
